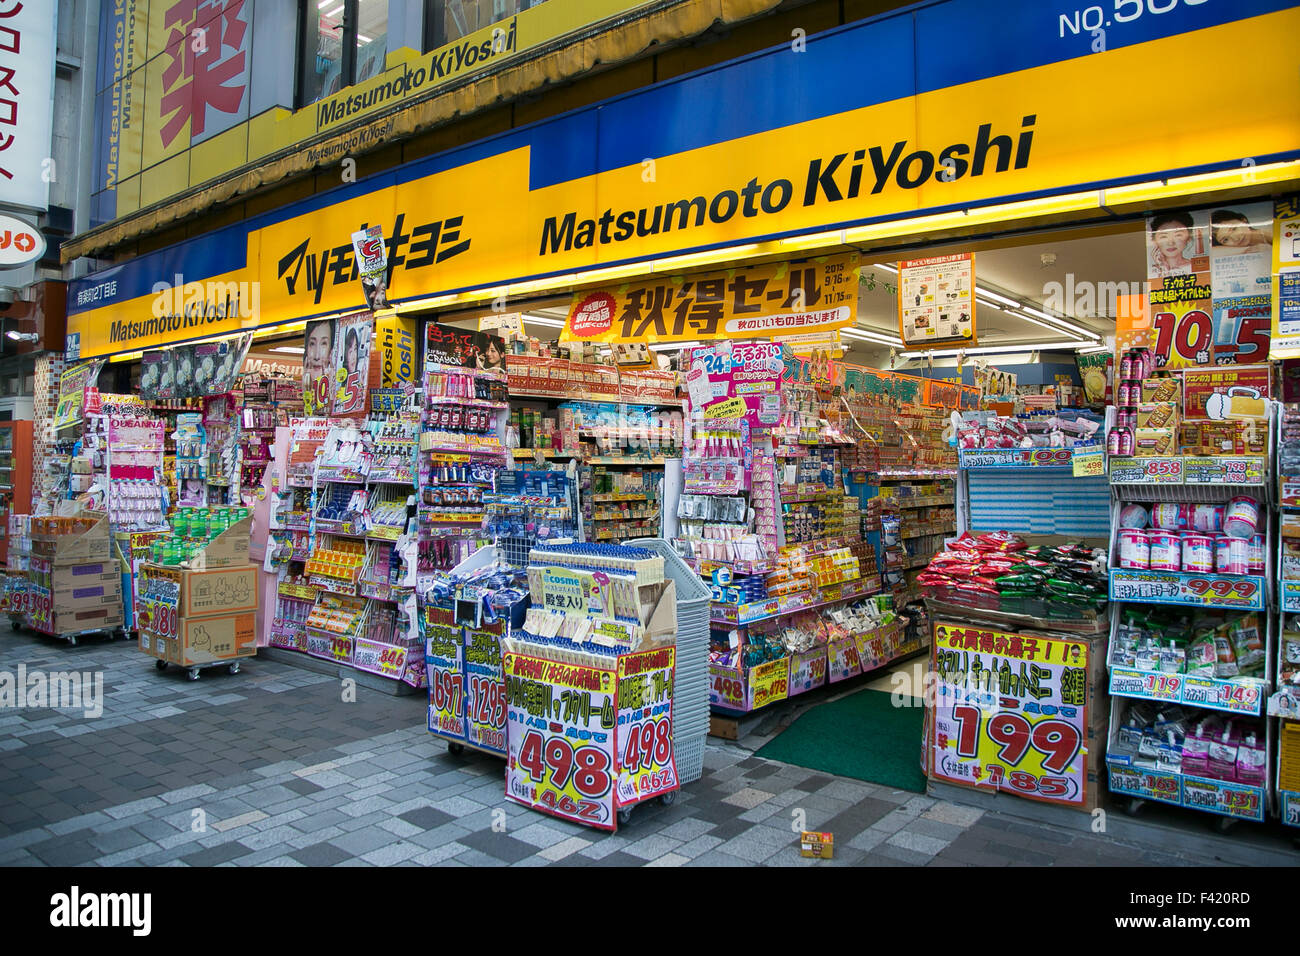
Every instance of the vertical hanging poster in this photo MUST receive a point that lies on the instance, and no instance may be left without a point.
(352, 337)
(1241, 279)
(1286, 273)
(1178, 272)
(317, 359)
(936, 301)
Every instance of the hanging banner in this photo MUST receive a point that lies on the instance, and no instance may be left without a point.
(1095, 373)
(942, 394)
(351, 362)
(317, 367)
(1286, 273)
(396, 350)
(738, 381)
(1178, 273)
(1241, 280)
(463, 348)
(760, 301)
(936, 301)
(1009, 713)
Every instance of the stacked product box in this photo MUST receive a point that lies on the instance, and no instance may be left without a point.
(74, 583)
(205, 613)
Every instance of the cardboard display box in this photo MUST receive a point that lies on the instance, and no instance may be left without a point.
(204, 640)
(75, 620)
(218, 591)
(93, 544)
(228, 549)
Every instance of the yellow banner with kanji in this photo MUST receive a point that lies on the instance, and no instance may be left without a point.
(766, 301)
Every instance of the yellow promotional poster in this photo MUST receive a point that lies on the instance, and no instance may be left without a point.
(560, 727)
(1010, 713)
(528, 205)
(646, 764)
(728, 408)
(761, 301)
(72, 392)
(769, 683)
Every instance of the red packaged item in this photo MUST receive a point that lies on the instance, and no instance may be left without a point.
(963, 542)
(1000, 541)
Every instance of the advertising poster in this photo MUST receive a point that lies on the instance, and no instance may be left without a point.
(445, 663)
(936, 301)
(1009, 713)
(1222, 394)
(749, 302)
(463, 348)
(1178, 273)
(1286, 273)
(1095, 371)
(646, 765)
(560, 733)
(1241, 278)
(396, 351)
(352, 337)
(485, 692)
(317, 367)
(72, 392)
(740, 382)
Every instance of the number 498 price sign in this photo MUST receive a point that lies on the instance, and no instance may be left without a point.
(560, 722)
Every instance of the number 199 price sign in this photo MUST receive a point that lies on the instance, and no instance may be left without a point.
(1009, 713)
(560, 736)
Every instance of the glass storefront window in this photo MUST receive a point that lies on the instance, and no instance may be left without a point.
(343, 42)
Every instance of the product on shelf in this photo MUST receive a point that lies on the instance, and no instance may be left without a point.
(1194, 538)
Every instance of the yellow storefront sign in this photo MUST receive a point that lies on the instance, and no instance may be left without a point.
(498, 220)
(762, 301)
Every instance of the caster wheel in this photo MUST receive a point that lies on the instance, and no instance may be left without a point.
(161, 665)
(72, 642)
(1223, 824)
(455, 749)
(1133, 807)
(192, 673)
(15, 625)
(668, 799)
(625, 817)
(234, 667)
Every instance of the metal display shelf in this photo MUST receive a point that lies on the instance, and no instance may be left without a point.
(1233, 695)
(1233, 592)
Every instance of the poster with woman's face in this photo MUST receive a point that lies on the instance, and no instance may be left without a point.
(317, 367)
(352, 336)
(1178, 243)
(493, 354)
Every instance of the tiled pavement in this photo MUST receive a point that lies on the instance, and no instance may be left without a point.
(273, 767)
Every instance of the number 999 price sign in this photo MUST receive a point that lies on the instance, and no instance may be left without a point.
(1010, 713)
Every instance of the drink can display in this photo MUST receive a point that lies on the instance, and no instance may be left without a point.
(1241, 519)
(1166, 551)
(1198, 553)
(1134, 549)
(1207, 518)
(1170, 517)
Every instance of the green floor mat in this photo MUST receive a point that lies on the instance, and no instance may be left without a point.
(863, 736)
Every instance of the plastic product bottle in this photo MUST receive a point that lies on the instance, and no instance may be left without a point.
(1222, 760)
(1251, 762)
(1196, 752)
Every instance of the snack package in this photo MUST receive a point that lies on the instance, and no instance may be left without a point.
(1247, 645)
(1227, 657)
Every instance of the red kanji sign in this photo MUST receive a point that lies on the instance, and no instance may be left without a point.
(206, 49)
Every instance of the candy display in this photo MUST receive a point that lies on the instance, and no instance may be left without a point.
(1001, 572)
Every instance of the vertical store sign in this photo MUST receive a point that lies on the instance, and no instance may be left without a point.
(936, 301)
(1009, 713)
(1286, 273)
(26, 102)
(646, 765)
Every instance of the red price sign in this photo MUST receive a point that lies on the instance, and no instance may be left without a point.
(445, 691)
(1223, 588)
(726, 688)
(1163, 686)
(1164, 469)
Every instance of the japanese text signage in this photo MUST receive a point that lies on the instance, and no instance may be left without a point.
(560, 734)
(1010, 713)
(485, 692)
(1168, 587)
(26, 101)
(936, 301)
(743, 381)
(646, 763)
(762, 301)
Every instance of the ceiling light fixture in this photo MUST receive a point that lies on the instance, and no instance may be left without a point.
(530, 319)
(288, 349)
(1001, 349)
(868, 335)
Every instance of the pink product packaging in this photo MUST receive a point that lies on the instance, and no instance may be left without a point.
(1133, 516)
(1134, 549)
(1251, 762)
(1238, 557)
(1198, 553)
(1196, 752)
(1256, 554)
(1241, 519)
(1207, 518)
(1221, 760)
(1166, 551)
(1170, 517)
(1222, 553)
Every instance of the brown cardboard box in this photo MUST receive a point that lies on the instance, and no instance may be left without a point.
(71, 621)
(228, 549)
(210, 592)
(1158, 415)
(1162, 390)
(91, 545)
(205, 640)
(1155, 442)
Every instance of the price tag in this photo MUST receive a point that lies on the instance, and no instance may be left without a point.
(1223, 471)
(769, 683)
(726, 687)
(1228, 799)
(1089, 462)
(1144, 783)
(1167, 587)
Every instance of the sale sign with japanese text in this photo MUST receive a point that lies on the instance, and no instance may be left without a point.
(743, 381)
(560, 737)
(445, 663)
(646, 764)
(1010, 713)
(485, 692)
(753, 302)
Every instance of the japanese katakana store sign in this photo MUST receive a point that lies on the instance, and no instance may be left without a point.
(767, 301)
(26, 101)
